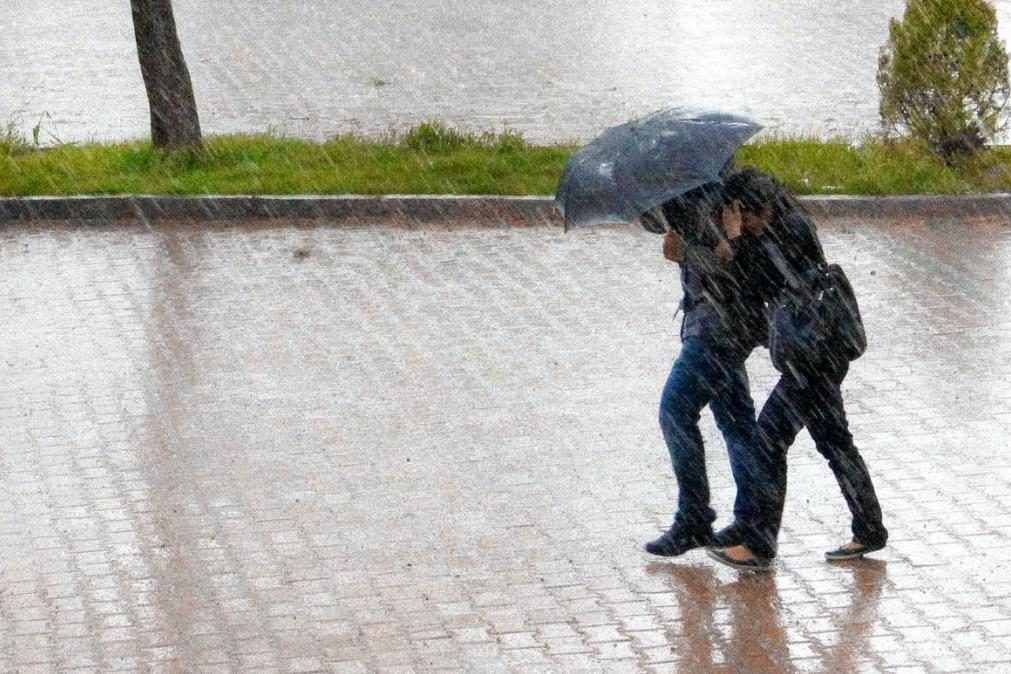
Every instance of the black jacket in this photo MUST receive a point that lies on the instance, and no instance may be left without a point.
(734, 296)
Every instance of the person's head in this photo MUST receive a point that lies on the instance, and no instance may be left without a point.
(695, 213)
(765, 205)
(762, 199)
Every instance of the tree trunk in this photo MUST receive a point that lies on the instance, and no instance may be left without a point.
(174, 120)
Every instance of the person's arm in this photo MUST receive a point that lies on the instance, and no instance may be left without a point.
(718, 258)
(708, 260)
(752, 265)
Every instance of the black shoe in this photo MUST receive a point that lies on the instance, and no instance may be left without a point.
(752, 563)
(729, 536)
(677, 542)
(852, 552)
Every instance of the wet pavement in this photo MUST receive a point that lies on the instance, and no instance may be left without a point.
(557, 72)
(336, 448)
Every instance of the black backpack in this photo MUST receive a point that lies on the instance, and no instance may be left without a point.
(817, 323)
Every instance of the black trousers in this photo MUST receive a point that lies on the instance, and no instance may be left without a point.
(815, 402)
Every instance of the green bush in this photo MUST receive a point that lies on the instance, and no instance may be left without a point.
(943, 76)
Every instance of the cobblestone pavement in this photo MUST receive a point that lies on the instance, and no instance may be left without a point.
(557, 71)
(319, 448)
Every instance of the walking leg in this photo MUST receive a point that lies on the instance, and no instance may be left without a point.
(687, 391)
(826, 421)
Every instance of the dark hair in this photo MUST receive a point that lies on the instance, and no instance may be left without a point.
(756, 190)
(791, 229)
(796, 238)
(693, 214)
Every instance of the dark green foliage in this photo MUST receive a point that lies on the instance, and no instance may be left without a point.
(943, 76)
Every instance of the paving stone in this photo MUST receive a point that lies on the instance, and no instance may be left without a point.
(436, 448)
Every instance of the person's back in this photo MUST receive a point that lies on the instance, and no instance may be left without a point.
(815, 324)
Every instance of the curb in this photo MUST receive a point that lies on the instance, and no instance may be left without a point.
(422, 209)
(909, 206)
(396, 208)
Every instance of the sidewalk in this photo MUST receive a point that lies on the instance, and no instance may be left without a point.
(299, 448)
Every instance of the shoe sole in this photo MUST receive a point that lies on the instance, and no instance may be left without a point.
(829, 557)
(727, 561)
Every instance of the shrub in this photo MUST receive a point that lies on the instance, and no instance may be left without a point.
(943, 76)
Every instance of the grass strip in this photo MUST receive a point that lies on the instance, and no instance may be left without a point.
(433, 159)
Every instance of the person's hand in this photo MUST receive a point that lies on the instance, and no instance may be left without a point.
(673, 246)
(731, 220)
(755, 224)
(723, 250)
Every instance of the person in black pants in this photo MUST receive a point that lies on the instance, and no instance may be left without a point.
(807, 396)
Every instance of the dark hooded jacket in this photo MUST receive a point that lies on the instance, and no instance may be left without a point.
(718, 308)
(727, 302)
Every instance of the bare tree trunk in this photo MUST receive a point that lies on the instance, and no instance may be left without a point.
(174, 120)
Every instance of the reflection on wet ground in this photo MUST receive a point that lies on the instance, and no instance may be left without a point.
(308, 448)
(734, 624)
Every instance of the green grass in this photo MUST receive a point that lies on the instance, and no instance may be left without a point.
(877, 167)
(432, 159)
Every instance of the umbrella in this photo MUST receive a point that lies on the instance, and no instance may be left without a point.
(632, 167)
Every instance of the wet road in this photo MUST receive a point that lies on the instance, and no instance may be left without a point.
(556, 71)
(358, 449)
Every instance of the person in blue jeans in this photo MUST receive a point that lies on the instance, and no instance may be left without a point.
(718, 333)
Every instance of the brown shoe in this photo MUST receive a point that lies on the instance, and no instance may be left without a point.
(743, 560)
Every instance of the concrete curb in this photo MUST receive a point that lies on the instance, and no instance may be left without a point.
(409, 208)
(421, 209)
(909, 206)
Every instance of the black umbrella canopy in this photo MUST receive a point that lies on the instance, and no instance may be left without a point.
(632, 167)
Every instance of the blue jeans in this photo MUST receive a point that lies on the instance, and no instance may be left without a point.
(704, 374)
